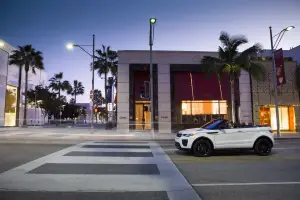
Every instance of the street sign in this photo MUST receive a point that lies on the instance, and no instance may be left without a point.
(110, 107)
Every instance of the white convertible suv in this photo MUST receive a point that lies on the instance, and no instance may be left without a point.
(221, 134)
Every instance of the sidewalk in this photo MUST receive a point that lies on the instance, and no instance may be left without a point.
(75, 133)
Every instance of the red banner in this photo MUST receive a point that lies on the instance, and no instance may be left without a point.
(279, 64)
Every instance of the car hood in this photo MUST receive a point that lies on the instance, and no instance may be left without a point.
(191, 130)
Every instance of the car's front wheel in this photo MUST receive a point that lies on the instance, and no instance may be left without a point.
(202, 148)
(263, 147)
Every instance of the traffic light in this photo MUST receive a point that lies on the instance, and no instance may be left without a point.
(142, 92)
(96, 110)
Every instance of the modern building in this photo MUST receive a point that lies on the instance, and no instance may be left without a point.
(263, 104)
(184, 97)
(9, 75)
(293, 53)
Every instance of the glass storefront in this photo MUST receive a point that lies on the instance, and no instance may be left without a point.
(142, 115)
(200, 112)
(10, 105)
(286, 117)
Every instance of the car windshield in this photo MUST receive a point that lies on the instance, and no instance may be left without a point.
(213, 125)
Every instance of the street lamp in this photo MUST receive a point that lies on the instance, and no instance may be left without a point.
(280, 35)
(151, 38)
(71, 46)
(2, 44)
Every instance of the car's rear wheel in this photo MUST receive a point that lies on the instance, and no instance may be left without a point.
(202, 148)
(263, 147)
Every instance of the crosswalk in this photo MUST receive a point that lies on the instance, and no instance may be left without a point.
(102, 167)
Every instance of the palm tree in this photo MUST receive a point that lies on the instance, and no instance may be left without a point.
(76, 89)
(57, 84)
(31, 59)
(106, 62)
(232, 62)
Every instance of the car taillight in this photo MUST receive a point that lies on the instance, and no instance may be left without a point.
(270, 131)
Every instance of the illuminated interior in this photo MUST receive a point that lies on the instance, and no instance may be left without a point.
(204, 107)
(10, 106)
(286, 117)
(142, 115)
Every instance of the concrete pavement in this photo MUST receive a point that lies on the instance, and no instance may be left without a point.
(74, 134)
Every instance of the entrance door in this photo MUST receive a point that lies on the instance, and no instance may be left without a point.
(142, 116)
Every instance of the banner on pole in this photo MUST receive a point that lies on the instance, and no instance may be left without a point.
(279, 63)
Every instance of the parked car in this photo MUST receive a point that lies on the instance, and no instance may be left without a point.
(223, 134)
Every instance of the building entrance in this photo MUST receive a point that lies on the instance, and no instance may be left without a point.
(142, 115)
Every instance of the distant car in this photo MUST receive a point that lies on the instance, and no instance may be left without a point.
(222, 134)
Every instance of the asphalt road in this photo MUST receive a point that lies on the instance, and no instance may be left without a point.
(239, 175)
(242, 175)
(13, 155)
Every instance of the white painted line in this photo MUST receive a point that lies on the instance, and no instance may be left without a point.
(243, 184)
(101, 135)
(113, 150)
(170, 149)
(288, 148)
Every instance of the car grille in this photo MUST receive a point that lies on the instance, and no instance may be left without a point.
(179, 135)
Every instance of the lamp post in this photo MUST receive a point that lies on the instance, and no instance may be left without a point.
(70, 46)
(273, 48)
(151, 37)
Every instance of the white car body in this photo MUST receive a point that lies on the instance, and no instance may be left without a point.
(234, 138)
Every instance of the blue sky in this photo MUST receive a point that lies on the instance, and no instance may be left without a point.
(123, 24)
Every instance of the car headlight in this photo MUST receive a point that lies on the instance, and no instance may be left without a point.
(189, 134)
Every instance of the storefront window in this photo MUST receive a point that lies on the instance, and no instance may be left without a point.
(10, 106)
(286, 117)
(204, 107)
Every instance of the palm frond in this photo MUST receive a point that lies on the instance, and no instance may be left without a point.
(237, 40)
(244, 57)
(225, 39)
(257, 71)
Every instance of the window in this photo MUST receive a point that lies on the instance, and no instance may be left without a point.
(204, 107)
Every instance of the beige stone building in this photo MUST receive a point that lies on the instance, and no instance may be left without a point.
(263, 104)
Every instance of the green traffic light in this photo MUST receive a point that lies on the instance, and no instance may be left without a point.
(152, 20)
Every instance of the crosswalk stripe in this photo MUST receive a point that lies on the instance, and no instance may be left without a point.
(169, 178)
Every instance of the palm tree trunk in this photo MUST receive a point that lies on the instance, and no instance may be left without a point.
(19, 97)
(220, 87)
(25, 94)
(106, 103)
(232, 97)
(74, 97)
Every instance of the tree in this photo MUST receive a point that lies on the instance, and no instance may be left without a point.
(98, 101)
(48, 102)
(31, 59)
(106, 61)
(57, 84)
(72, 101)
(231, 61)
(76, 89)
(98, 98)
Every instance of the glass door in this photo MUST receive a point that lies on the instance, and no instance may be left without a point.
(142, 116)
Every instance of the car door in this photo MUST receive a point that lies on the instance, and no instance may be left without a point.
(247, 136)
(227, 138)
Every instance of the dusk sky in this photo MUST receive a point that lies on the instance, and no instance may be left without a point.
(191, 25)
